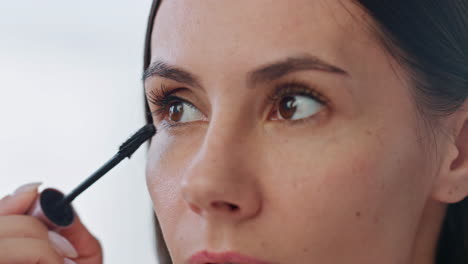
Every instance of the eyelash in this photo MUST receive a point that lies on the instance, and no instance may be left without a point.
(163, 97)
(296, 88)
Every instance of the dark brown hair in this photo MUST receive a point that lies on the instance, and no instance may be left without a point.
(429, 39)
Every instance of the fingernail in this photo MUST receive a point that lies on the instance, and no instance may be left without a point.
(27, 188)
(68, 261)
(62, 245)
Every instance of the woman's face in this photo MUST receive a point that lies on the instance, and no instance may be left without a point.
(285, 133)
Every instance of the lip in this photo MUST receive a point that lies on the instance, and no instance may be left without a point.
(205, 257)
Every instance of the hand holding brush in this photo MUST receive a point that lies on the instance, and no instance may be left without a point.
(39, 228)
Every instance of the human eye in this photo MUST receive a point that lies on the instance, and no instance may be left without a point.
(296, 101)
(172, 108)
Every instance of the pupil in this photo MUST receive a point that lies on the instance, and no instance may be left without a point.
(287, 107)
(175, 111)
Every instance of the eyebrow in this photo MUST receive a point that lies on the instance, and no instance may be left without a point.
(164, 70)
(279, 69)
(265, 73)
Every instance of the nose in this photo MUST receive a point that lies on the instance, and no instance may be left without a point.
(221, 181)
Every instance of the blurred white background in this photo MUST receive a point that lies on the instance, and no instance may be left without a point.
(70, 95)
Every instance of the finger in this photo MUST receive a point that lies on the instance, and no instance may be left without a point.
(62, 245)
(28, 251)
(20, 201)
(22, 226)
(88, 247)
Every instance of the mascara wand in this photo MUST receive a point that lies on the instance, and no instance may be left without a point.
(54, 208)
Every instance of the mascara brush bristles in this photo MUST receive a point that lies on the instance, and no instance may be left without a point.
(134, 142)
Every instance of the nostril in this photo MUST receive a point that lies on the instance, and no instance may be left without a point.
(225, 205)
(233, 207)
(195, 208)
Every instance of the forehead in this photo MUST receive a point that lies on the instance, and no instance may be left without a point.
(253, 32)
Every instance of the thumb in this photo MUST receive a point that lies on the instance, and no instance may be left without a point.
(88, 247)
(20, 201)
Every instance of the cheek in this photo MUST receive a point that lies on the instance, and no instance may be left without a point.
(159, 172)
(355, 189)
(166, 163)
(376, 175)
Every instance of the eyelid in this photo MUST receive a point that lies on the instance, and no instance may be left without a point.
(162, 98)
(297, 88)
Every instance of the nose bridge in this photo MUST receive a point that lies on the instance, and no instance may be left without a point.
(220, 180)
(225, 140)
(227, 146)
(232, 129)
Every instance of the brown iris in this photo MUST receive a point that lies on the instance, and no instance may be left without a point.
(287, 107)
(176, 110)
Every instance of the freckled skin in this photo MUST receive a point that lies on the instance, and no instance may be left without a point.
(349, 189)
